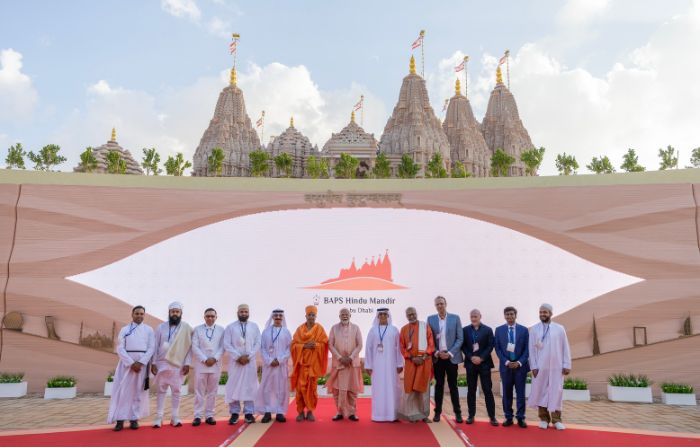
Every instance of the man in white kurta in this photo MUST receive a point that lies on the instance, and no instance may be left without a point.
(550, 361)
(384, 363)
(242, 343)
(171, 363)
(207, 350)
(273, 394)
(135, 346)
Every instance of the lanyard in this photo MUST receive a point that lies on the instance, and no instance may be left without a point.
(411, 331)
(475, 334)
(131, 331)
(171, 332)
(206, 332)
(381, 336)
(275, 337)
(244, 328)
(545, 332)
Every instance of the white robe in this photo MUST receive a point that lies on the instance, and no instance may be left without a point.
(129, 401)
(386, 389)
(549, 354)
(273, 394)
(203, 348)
(169, 375)
(242, 382)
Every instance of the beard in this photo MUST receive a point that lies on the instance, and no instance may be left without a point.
(545, 319)
(242, 319)
(174, 321)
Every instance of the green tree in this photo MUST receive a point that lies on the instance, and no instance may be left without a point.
(458, 170)
(88, 160)
(115, 163)
(566, 164)
(436, 167)
(216, 161)
(407, 167)
(630, 162)
(382, 167)
(46, 158)
(150, 161)
(176, 165)
(601, 165)
(259, 163)
(15, 157)
(694, 157)
(284, 164)
(532, 159)
(501, 163)
(668, 158)
(317, 167)
(346, 166)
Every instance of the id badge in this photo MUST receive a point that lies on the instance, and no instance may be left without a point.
(240, 342)
(475, 347)
(510, 347)
(409, 346)
(539, 345)
(271, 350)
(166, 345)
(380, 347)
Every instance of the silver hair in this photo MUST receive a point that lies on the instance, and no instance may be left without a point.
(475, 311)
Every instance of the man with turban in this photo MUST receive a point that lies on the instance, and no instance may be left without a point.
(550, 361)
(172, 362)
(384, 363)
(310, 359)
(242, 343)
(273, 394)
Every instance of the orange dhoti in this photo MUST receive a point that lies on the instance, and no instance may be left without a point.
(309, 364)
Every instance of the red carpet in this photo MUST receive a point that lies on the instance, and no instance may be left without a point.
(365, 433)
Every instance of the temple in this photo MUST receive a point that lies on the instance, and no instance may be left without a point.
(296, 145)
(355, 141)
(100, 153)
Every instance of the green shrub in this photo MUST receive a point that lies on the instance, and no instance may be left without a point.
(11, 377)
(366, 378)
(677, 388)
(110, 376)
(224, 378)
(322, 380)
(462, 380)
(61, 382)
(529, 378)
(629, 380)
(571, 383)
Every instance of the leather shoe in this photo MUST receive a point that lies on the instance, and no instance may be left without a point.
(267, 417)
(210, 420)
(522, 423)
(458, 419)
(280, 418)
(119, 426)
(233, 419)
(507, 422)
(337, 417)
(470, 420)
(196, 422)
(436, 417)
(353, 418)
(134, 425)
(249, 419)
(494, 422)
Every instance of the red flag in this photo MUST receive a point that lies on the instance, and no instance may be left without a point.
(418, 42)
(444, 107)
(459, 67)
(259, 122)
(358, 106)
(503, 59)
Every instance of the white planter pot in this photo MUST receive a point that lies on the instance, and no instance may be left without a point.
(60, 393)
(184, 390)
(679, 399)
(463, 390)
(13, 389)
(528, 387)
(321, 390)
(221, 390)
(108, 388)
(629, 394)
(367, 391)
(577, 395)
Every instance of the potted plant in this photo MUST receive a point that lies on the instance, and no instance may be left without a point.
(576, 389)
(60, 387)
(463, 388)
(221, 390)
(677, 394)
(321, 386)
(12, 385)
(109, 382)
(367, 381)
(629, 388)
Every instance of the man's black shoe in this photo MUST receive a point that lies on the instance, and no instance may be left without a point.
(458, 418)
(436, 418)
(280, 418)
(210, 420)
(507, 422)
(267, 417)
(494, 422)
(470, 420)
(522, 423)
(196, 422)
(249, 419)
(134, 425)
(119, 426)
(353, 418)
(337, 417)
(233, 419)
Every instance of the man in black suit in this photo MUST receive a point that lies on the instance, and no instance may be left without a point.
(477, 347)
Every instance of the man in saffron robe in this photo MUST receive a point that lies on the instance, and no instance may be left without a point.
(345, 381)
(417, 345)
(310, 359)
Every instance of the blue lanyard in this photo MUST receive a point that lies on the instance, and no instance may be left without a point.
(381, 336)
(475, 334)
(545, 332)
(243, 329)
(131, 331)
(275, 337)
(206, 332)
(171, 332)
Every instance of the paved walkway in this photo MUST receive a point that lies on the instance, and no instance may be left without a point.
(33, 412)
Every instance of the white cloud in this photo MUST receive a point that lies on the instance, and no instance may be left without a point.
(219, 27)
(580, 12)
(182, 8)
(17, 94)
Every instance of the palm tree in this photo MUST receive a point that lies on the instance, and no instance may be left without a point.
(284, 164)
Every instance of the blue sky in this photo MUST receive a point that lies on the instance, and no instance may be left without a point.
(590, 76)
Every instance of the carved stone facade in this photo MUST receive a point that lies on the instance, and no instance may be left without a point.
(464, 134)
(294, 143)
(352, 140)
(231, 130)
(100, 153)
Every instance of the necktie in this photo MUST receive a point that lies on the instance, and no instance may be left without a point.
(511, 339)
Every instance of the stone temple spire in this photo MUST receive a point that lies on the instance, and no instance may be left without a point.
(114, 134)
(464, 134)
(502, 127)
(413, 128)
(231, 130)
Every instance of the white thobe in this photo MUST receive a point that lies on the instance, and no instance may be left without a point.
(129, 401)
(273, 394)
(242, 382)
(207, 342)
(386, 389)
(549, 354)
(169, 376)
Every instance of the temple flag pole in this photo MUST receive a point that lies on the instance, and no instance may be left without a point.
(422, 53)
(508, 68)
(466, 85)
(262, 129)
(235, 37)
(362, 111)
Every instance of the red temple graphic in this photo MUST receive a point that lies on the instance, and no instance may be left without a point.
(374, 275)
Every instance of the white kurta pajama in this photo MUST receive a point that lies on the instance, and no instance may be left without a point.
(273, 394)
(129, 401)
(386, 389)
(549, 354)
(169, 375)
(207, 342)
(241, 339)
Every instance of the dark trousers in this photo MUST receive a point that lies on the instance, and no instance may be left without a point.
(483, 373)
(514, 378)
(441, 368)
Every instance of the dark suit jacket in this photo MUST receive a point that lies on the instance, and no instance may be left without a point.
(522, 339)
(484, 336)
